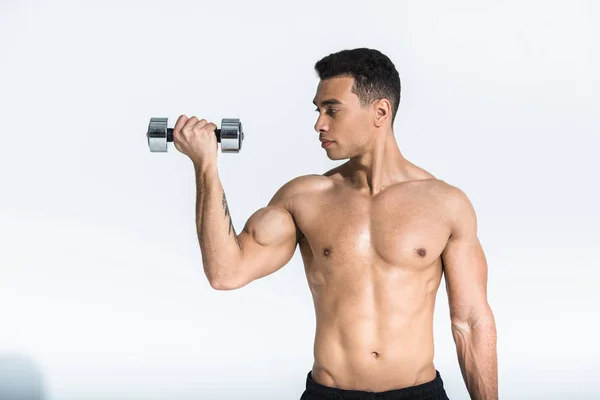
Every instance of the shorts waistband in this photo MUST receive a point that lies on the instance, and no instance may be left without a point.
(422, 391)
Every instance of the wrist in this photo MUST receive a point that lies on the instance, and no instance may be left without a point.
(205, 168)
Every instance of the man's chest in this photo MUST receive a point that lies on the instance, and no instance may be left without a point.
(400, 228)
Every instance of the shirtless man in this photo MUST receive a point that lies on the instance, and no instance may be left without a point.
(375, 234)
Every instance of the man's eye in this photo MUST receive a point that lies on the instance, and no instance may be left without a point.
(329, 111)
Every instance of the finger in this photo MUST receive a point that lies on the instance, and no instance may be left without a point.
(200, 124)
(190, 123)
(180, 123)
(210, 126)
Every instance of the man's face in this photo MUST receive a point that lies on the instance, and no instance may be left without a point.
(341, 119)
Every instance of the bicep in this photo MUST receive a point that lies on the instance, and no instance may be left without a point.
(465, 271)
(270, 236)
(268, 242)
(465, 266)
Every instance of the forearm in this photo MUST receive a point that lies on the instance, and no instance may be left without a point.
(477, 357)
(219, 244)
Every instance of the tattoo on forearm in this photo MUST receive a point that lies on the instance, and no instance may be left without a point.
(231, 227)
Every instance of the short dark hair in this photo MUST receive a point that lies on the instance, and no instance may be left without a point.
(375, 76)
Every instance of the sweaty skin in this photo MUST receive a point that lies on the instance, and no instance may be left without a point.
(372, 233)
(373, 267)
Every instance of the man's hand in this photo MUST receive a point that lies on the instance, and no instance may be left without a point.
(196, 139)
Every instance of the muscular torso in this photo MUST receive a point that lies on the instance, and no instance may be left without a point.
(373, 266)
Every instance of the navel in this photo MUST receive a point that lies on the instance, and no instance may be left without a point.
(375, 354)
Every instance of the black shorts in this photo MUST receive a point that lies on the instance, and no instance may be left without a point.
(433, 390)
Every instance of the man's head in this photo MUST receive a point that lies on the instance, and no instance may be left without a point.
(358, 93)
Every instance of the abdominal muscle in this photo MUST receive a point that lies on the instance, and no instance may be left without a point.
(375, 335)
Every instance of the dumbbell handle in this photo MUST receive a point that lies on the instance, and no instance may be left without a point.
(170, 134)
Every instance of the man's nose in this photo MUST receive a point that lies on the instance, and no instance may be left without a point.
(321, 126)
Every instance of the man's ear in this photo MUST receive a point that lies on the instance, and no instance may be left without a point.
(382, 111)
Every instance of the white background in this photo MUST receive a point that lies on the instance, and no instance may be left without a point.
(102, 292)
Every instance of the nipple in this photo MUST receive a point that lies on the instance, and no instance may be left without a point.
(327, 252)
(421, 252)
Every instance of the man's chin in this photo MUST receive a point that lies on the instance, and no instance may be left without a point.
(334, 157)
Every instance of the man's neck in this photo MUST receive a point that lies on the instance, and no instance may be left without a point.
(380, 166)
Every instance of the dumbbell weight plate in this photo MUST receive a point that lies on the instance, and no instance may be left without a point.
(230, 135)
(157, 135)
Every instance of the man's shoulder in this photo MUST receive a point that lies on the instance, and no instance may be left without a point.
(455, 199)
(302, 185)
(440, 188)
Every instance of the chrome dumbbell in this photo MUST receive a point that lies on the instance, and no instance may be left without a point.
(230, 135)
